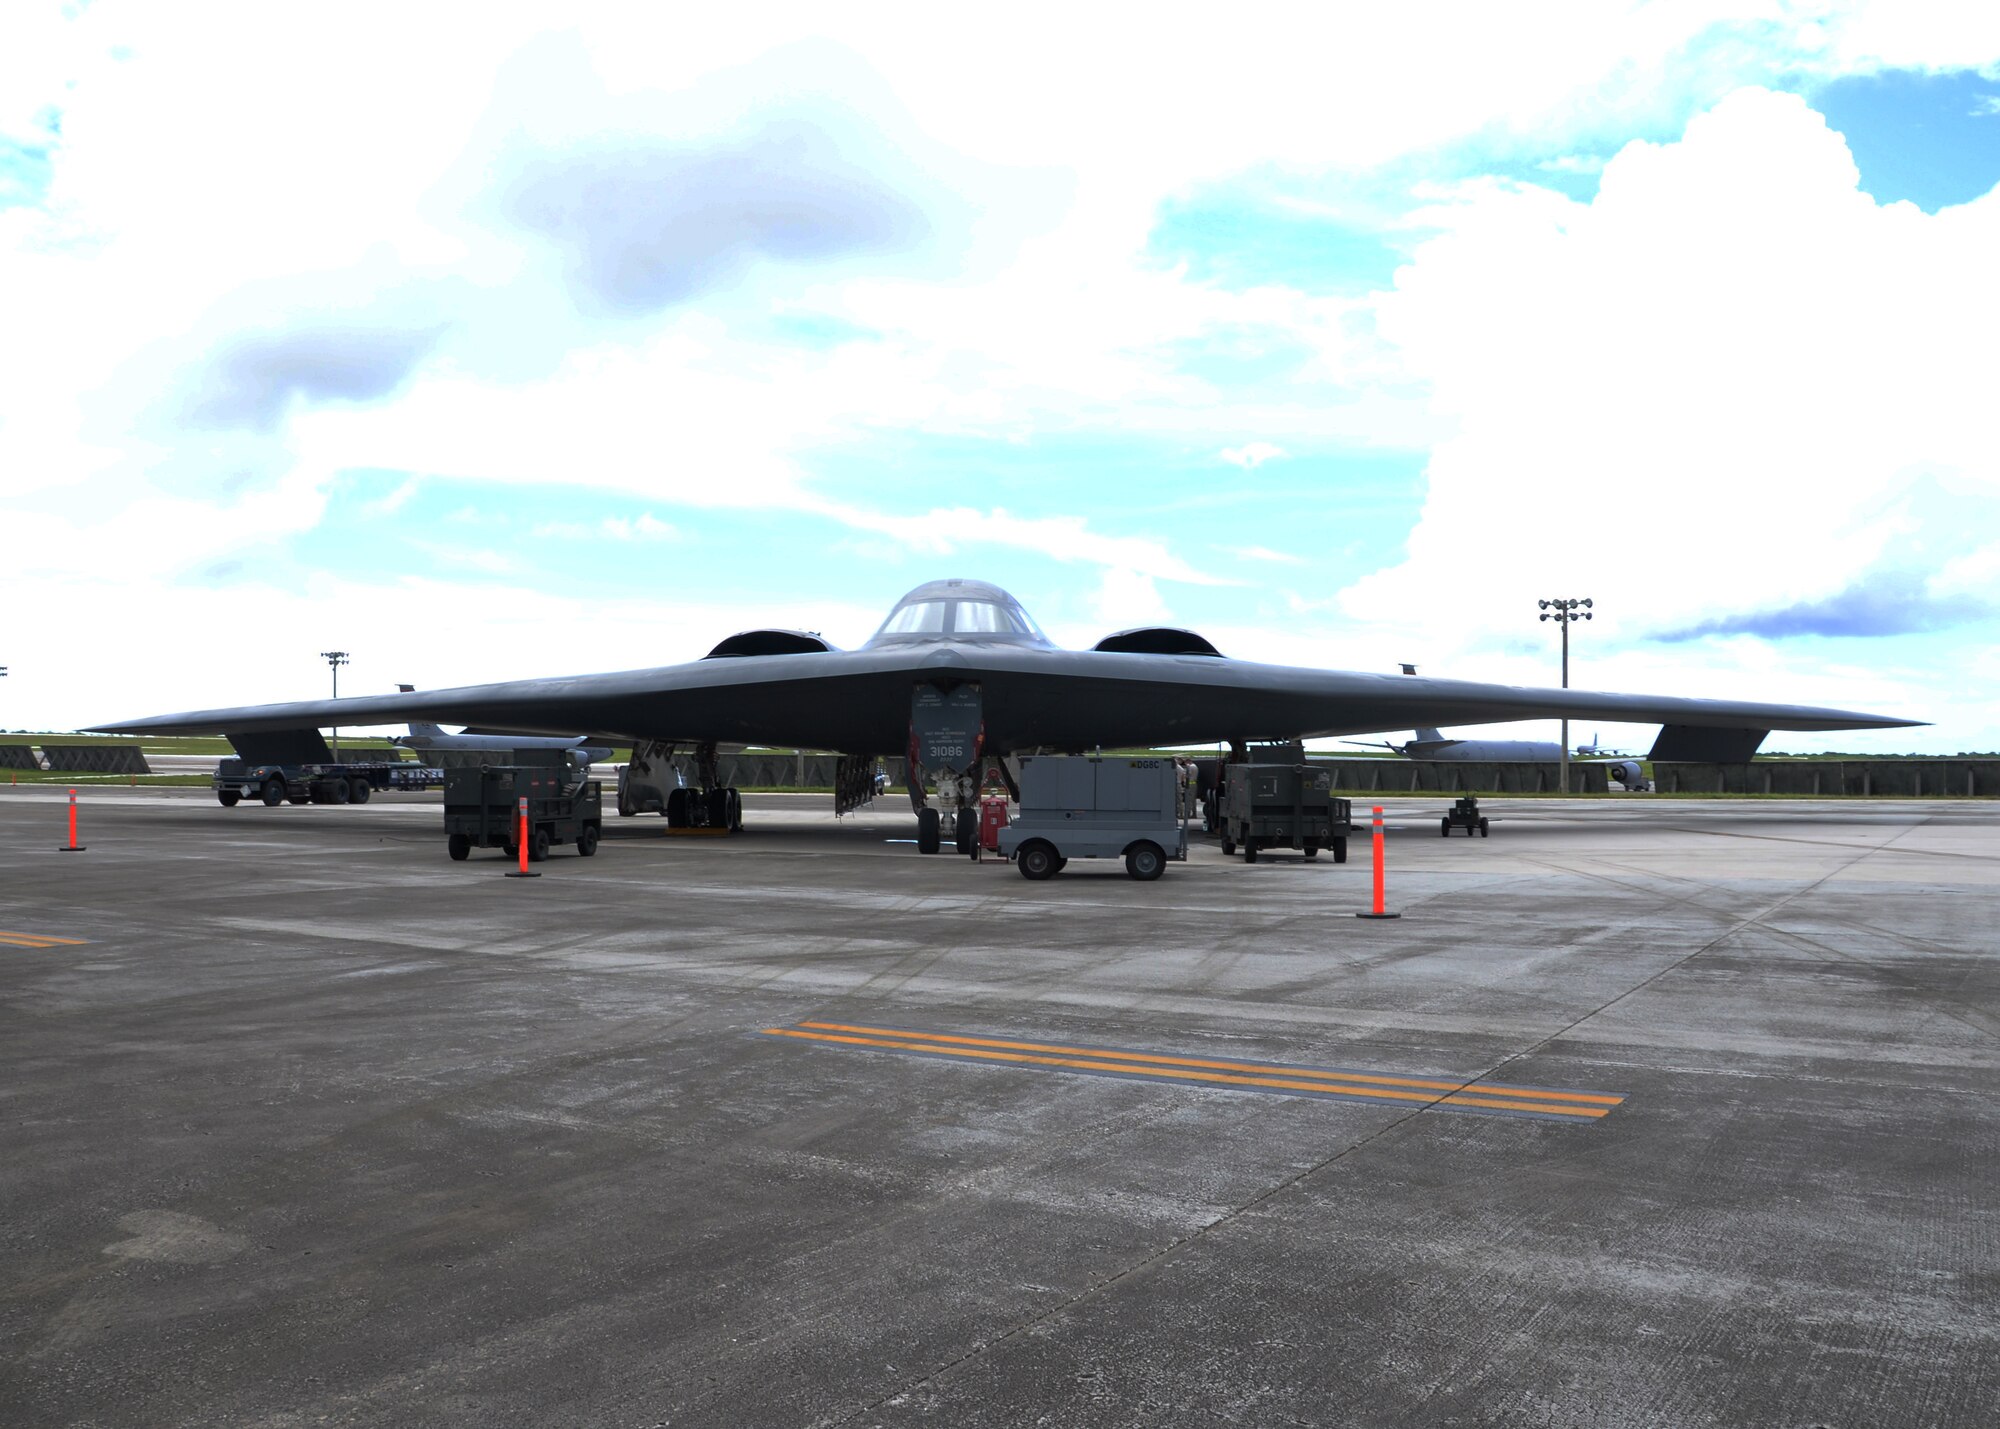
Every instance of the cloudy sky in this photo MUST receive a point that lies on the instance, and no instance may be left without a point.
(483, 346)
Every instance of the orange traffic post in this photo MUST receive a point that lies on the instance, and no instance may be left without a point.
(73, 846)
(522, 843)
(1379, 912)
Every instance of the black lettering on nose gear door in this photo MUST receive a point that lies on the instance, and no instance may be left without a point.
(947, 728)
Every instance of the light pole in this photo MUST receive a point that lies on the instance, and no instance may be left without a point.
(1565, 613)
(335, 659)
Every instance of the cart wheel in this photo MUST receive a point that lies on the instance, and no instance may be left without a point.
(1036, 860)
(1444, 829)
(358, 791)
(274, 793)
(458, 846)
(227, 798)
(1312, 850)
(586, 841)
(929, 839)
(1482, 828)
(510, 850)
(1340, 850)
(1145, 862)
(538, 846)
(1249, 850)
(1228, 846)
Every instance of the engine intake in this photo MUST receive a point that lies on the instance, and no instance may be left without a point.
(1157, 640)
(769, 642)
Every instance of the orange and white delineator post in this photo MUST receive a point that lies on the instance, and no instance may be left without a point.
(1378, 912)
(521, 842)
(73, 846)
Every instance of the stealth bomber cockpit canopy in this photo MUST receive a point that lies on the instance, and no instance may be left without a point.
(970, 612)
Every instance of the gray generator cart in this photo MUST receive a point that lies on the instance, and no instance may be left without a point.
(482, 805)
(1283, 806)
(1073, 807)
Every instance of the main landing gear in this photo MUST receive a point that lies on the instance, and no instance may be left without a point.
(651, 784)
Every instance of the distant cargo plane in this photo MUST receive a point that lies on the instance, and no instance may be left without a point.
(959, 675)
(1432, 744)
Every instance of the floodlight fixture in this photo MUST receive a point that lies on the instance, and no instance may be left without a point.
(335, 659)
(1565, 612)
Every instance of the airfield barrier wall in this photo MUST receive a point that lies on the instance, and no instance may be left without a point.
(96, 758)
(1448, 776)
(1864, 778)
(19, 756)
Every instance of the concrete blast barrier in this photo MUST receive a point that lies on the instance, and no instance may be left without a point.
(96, 758)
(19, 756)
(1864, 778)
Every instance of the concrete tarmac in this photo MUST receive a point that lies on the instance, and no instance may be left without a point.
(1644, 1113)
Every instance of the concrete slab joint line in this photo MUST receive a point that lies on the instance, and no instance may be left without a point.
(1477, 1095)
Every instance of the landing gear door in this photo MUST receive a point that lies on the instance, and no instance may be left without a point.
(946, 727)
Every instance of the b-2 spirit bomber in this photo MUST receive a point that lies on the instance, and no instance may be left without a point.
(959, 676)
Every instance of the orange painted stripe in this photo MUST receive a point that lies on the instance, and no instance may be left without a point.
(40, 940)
(1088, 1063)
(1602, 1099)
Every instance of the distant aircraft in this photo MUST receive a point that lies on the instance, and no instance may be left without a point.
(423, 736)
(1432, 744)
(959, 676)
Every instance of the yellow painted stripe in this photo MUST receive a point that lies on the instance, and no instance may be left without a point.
(40, 940)
(1089, 1063)
(1602, 1099)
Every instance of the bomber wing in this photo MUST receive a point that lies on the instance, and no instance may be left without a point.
(1033, 697)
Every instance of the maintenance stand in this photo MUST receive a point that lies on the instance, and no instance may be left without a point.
(481, 806)
(1290, 806)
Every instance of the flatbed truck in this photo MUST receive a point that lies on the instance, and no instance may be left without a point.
(237, 779)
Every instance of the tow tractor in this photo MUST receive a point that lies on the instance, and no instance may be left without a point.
(1464, 815)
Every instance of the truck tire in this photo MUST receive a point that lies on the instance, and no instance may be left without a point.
(586, 841)
(227, 798)
(929, 837)
(336, 791)
(459, 846)
(1340, 850)
(1037, 860)
(358, 790)
(1145, 862)
(538, 846)
(273, 793)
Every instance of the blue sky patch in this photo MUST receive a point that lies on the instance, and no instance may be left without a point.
(1933, 139)
(1239, 241)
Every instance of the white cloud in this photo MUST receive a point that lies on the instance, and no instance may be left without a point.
(1655, 377)
(1700, 394)
(1265, 553)
(1252, 455)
